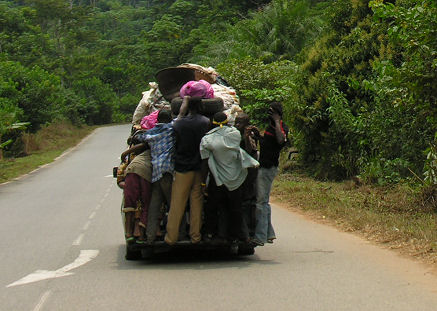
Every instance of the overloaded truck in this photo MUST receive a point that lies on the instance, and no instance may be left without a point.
(164, 93)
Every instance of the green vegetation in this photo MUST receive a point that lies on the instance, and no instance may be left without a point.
(357, 77)
(359, 90)
(88, 61)
(394, 216)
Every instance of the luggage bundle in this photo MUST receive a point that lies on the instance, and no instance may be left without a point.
(165, 93)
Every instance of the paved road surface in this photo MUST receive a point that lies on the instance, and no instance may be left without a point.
(62, 249)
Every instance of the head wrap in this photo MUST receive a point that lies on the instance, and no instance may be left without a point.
(220, 118)
(150, 120)
(199, 88)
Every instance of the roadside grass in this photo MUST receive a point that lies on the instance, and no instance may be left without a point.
(395, 216)
(42, 148)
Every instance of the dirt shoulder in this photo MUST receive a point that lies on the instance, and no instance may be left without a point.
(390, 217)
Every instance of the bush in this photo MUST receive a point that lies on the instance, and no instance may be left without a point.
(258, 83)
(97, 100)
(366, 90)
(36, 92)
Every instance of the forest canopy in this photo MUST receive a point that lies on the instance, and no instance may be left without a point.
(357, 78)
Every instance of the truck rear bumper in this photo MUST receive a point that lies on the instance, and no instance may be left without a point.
(162, 247)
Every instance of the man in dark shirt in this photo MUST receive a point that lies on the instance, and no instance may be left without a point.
(249, 142)
(274, 139)
(187, 181)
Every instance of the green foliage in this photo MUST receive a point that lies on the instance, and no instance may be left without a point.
(404, 81)
(258, 84)
(36, 92)
(277, 32)
(383, 171)
(366, 100)
(357, 78)
(330, 106)
(97, 100)
(91, 59)
(9, 112)
(431, 164)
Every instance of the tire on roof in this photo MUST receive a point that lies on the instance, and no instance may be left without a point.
(209, 106)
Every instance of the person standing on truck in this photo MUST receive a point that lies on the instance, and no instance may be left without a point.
(274, 139)
(189, 130)
(136, 191)
(161, 140)
(228, 162)
(249, 142)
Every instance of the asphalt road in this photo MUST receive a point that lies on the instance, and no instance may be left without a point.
(62, 248)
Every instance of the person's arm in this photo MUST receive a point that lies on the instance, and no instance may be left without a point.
(137, 149)
(204, 170)
(204, 173)
(279, 134)
(184, 107)
(251, 137)
(204, 167)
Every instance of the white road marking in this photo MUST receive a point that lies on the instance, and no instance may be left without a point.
(98, 206)
(64, 153)
(93, 214)
(109, 176)
(85, 227)
(79, 239)
(43, 299)
(84, 257)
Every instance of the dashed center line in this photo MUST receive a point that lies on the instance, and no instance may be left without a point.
(43, 299)
(85, 227)
(78, 239)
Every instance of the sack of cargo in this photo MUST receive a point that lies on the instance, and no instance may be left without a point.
(199, 88)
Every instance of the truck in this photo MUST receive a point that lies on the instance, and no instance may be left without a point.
(165, 94)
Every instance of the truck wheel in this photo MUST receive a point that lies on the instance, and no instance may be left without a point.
(132, 255)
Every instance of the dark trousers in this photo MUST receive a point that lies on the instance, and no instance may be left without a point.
(224, 212)
(137, 194)
(249, 199)
(161, 193)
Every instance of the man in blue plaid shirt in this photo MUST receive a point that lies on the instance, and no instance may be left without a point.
(161, 140)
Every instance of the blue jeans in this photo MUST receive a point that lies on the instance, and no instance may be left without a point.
(264, 229)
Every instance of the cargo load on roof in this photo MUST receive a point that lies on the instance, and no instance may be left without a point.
(169, 82)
